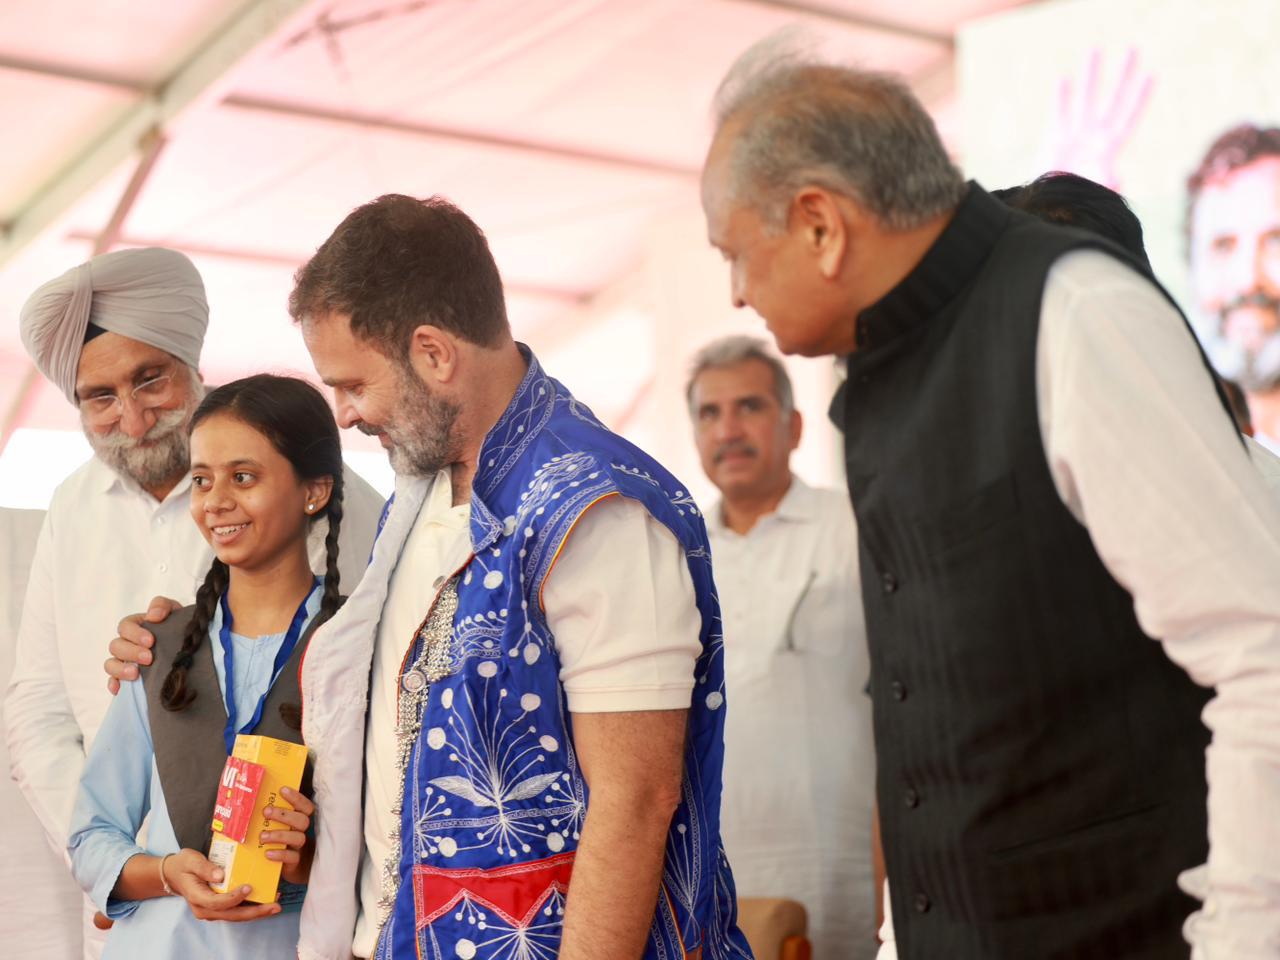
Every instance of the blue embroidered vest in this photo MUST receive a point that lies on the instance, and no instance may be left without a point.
(494, 799)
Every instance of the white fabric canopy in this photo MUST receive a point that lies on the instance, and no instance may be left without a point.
(571, 130)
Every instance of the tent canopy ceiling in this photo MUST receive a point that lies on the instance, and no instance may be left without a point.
(564, 127)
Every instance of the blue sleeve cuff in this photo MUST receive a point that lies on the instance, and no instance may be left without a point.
(291, 896)
(119, 909)
(106, 882)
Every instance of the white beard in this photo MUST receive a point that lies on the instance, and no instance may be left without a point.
(160, 455)
(1254, 370)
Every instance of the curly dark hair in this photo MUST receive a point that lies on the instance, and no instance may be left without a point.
(397, 263)
(1236, 148)
(295, 417)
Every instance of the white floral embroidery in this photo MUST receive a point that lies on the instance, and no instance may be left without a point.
(501, 759)
(496, 938)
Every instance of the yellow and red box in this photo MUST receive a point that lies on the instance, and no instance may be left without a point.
(251, 780)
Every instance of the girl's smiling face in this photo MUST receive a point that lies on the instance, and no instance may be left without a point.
(246, 498)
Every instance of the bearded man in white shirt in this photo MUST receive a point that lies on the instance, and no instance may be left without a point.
(796, 812)
(1233, 232)
(1046, 482)
(120, 336)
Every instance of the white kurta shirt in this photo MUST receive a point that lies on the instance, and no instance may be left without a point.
(106, 548)
(1138, 446)
(799, 763)
(1267, 462)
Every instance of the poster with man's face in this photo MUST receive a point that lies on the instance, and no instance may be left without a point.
(1234, 253)
(1176, 105)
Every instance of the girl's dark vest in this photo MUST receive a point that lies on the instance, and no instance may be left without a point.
(189, 749)
(1041, 761)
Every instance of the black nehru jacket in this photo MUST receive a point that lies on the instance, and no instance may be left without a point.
(1041, 762)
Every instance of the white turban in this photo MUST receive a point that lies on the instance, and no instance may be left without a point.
(151, 295)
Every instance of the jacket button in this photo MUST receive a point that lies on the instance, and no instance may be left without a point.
(922, 903)
(898, 690)
(888, 582)
(911, 798)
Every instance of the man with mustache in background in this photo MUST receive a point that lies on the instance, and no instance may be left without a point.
(795, 824)
(1233, 225)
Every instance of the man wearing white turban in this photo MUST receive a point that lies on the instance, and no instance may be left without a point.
(136, 313)
(151, 295)
(120, 336)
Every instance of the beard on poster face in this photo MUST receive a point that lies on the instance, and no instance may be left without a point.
(1253, 363)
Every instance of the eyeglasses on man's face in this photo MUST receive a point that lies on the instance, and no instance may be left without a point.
(103, 408)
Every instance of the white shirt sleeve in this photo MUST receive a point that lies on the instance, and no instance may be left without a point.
(1143, 454)
(1268, 464)
(46, 748)
(621, 605)
(888, 942)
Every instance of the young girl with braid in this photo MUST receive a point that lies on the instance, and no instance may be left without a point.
(265, 464)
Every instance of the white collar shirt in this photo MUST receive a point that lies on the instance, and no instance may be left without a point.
(436, 546)
(335, 685)
(105, 549)
(799, 768)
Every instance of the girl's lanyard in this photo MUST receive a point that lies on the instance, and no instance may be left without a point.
(229, 668)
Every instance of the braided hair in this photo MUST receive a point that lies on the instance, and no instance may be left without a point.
(331, 600)
(295, 417)
(175, 694)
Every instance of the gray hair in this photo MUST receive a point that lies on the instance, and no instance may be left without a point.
(854, 132)
(731, 351)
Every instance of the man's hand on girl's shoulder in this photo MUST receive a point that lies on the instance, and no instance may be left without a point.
(133, 645)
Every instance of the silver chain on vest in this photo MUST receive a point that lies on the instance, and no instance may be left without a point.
(434, 661)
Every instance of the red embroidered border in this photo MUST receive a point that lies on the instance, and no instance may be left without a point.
(516, 893)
